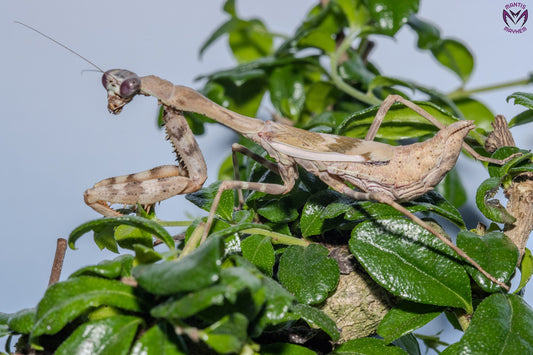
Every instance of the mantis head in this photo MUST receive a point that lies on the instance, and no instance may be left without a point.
(121, 85)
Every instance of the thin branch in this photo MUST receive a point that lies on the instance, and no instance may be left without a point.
(57, 266)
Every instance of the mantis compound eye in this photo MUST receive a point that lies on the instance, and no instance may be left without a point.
(130, 87)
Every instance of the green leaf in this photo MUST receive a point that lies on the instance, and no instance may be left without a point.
(494, 252)
(294, 272)
(285, 349)
(228, 335)
(522, 98)
(355, 11)
(128, 236)
(145, 255)
(22, 321)
(428, 34)
(502, 324)
(250, 40)
(144, 224)
(191, 303)
(112, 335)
(502, 153)
(227, 27)
(412, 263)
(367, 346)
(278, 301)
(259, 251)
(492, 209)
(354, 69)
(287, 91)
(316, 318)
(161, 339)
(279, 210)
(197, 270)
(455, 56)
(319, 96)
(452, 189)
(406, 317)
(409, 344)
(203, 198)
(521, 118)
(110, 269)
(105, 238)
(476, 111)
(526, 269)
(66, 300)
(400, 122)
(385, 81)
(390, 15)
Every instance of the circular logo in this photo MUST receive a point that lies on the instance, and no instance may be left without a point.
(515, 17)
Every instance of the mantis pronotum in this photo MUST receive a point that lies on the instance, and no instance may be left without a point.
(381, 172)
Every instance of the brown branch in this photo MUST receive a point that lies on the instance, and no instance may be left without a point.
(519, 194)
(57, 266)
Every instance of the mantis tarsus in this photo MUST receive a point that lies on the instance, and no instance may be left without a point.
(381, 172)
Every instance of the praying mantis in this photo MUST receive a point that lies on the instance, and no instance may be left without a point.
(380, 172)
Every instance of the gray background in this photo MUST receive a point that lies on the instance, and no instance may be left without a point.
(57, 138)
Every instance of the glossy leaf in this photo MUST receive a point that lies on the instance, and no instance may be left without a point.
(408, 343)
(389, 15)
(522, 98)
(452, 189)
(279, 210)
(410, 262)
(223, 29)
(277, 304)
(285, 349)
(161, 339)
(406, 317)
(455, 56)
(521, 118)
(142, 223)
(110, 269)
(259, 251)
(228, 335)
(476, 111)
(112, 335)
(203, 198)
(308, 272)
(66, 300)
(104, 238)
(502, 324)
(316, 318)
(384, 81)
(191, 303)
(287, 91)
(250, 40)
(428, 34)
(494, 252)
(199, 269)
(22, 321)
(128, 236)
(501, 153)
(492, 209)
(526, 269)
(367, 346)
(399, 123)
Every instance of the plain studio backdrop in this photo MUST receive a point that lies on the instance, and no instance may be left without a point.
(57, 138)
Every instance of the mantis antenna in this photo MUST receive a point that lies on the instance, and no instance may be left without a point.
(61, 44)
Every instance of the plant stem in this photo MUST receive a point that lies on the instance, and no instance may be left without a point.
(277, 238)
(341, 84)
(460, 93)
(174, 223)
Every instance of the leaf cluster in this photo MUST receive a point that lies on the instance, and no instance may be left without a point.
(259, 282)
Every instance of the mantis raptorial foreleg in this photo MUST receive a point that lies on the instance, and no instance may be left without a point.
(159, 183)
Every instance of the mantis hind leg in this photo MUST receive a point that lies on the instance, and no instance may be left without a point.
(392, 99)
